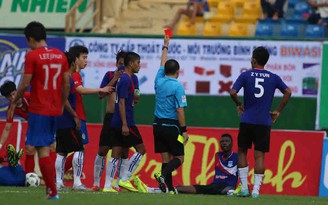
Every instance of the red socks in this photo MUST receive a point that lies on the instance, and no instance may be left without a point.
(29, 163)
(69, 162)
(47, 167)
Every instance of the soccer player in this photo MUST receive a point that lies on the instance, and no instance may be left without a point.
(69, 138)
(8, 89)
(169, 127)
(224, 180)
(80, 54)
(110, 79)
(255, 127)
(46, 70)
(14, 174)
(123, 131)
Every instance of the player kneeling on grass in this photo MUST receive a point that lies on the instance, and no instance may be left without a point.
(224, 180)
(69, 138)
(13, 174)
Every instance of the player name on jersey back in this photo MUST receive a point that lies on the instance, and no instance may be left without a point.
(262, 75)
(50, 56)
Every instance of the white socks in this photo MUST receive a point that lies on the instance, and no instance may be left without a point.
(122, 170)
(110, 172)
(98, 169)
(258, 178)
(77, 167)
(132, 166)
(243, 174)
(60, 166)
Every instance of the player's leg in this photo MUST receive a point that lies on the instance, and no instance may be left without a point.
(135, 140)
(112, 164)
(104, 146)
(123, 165)
(261, 145)
(29, 161)
(244, 143)
(61, 158)
(42, 139)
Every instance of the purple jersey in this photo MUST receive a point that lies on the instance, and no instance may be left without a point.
(226, 171)
(259, 88)
(124, 90)
(109, 76)
(66, 120)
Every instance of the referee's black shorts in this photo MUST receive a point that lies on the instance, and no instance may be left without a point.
(259, 135)
(104, 139)
(166, 132)
(68, 140)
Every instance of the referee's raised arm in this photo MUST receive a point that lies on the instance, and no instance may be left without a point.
(165, 50)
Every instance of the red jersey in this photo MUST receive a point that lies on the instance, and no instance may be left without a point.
(22, 110)
(79, 101)
(47, 65)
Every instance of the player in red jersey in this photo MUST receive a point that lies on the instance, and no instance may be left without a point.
(46, 71)
(8, 89)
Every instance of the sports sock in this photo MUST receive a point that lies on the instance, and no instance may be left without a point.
(123, 169)
(69, 162)
(53, 155)
(48, 174)
(110, 172)
(77, 167)
(132, 166)
(258, 178)
(243, 174)
(98, 169)
(167, 171)
(59, 165)
(29, 163)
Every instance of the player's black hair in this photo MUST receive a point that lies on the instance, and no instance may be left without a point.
(130, 57)
(78, 50)
(7, 88)
(35, 30)
(261, 55)
(70, 58)
(227, 135)
(171, 66)
(120, 54)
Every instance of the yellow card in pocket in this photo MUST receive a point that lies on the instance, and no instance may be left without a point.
(180, 139)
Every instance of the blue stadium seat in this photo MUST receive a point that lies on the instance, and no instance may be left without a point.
(301, 8)
(289, 30)
(314, 31)
(264, 30)
(291, 3)
(296, 21)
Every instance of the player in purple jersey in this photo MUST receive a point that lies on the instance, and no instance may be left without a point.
(123, 131)
(255, 127)
(69, 137)
(110, 78)
(226, 175)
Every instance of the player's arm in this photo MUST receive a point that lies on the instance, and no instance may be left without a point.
(5, 133)
(85, 91)
(66, 87)
(72, 112)
(22, 87)
(234, 97)
(275, 114)
(121, 106)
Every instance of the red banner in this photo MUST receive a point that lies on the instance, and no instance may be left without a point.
(292, 165)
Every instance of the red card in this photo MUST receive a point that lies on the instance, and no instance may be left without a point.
(168, 32)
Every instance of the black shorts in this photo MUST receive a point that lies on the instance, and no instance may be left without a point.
(68, 140)
(117, 139)
(104, 139)
(215, 188)
(259, 135)
(166, 134)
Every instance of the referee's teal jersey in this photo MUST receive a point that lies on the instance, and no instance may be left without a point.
(170, 95)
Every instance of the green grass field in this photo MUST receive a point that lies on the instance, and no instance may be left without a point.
(35, 196)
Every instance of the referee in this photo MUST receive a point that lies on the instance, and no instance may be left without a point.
(169, 127)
